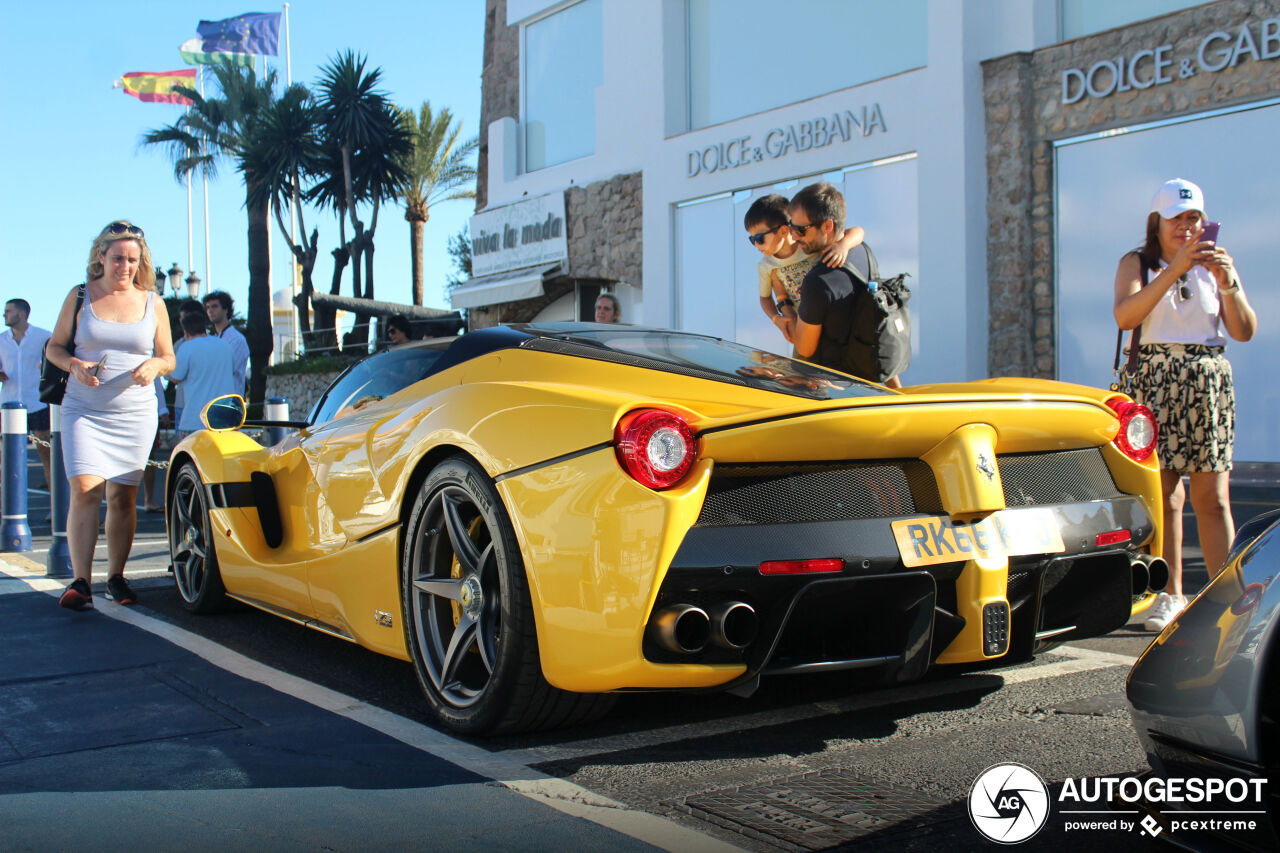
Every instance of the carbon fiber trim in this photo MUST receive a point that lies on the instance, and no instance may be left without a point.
(600, 353)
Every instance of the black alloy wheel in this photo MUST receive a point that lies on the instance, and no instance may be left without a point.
(467, 615)
(195, 564)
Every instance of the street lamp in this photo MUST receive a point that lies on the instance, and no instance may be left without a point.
(193, 284)
(175, 275)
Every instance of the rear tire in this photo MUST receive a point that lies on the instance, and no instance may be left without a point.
(467, 615)
(195, 563)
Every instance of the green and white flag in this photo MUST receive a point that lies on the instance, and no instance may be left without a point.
(193, 55)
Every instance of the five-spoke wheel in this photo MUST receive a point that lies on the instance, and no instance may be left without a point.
(195, 565)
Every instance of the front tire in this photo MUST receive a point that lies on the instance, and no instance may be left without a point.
(195, 563)
(467, 614)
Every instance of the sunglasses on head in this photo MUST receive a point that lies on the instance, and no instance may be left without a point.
(758, 239)
(116, 228)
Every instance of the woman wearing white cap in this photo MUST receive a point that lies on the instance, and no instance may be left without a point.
(1185, 292)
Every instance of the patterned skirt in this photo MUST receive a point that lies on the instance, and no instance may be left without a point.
(1189, 388)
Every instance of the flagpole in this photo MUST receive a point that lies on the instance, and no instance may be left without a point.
(293, 203)
(204, 184)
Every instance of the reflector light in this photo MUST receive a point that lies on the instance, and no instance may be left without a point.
(800, 567)
(1248, 599)
(1113, 536)
(655, 447)
(1138, 432)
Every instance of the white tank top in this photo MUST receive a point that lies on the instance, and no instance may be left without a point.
(1192, 321)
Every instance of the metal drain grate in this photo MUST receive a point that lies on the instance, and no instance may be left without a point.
(817, 810)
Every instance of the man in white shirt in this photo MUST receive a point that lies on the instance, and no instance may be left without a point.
(218, 305)
(204, 368)
(21, 348)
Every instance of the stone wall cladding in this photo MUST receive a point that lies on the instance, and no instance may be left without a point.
(499, 84)
(300, 389)
(605, 227)
(1025, 114)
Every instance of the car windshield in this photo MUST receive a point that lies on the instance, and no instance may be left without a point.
(376, 377)
(712, 358)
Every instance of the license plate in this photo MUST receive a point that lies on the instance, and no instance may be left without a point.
(1008, 533)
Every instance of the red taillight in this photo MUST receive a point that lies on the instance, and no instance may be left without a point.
(1138, 430)
(800, 567)
(655, 447)
(1248, 599)
(1111, 537)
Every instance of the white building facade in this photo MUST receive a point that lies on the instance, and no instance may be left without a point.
(1001, 152)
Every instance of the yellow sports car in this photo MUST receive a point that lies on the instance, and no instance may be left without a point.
(540, 515)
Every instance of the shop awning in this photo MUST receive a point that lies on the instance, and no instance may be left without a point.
(506, 287)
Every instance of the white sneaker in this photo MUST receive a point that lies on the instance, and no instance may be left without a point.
(1164, 611)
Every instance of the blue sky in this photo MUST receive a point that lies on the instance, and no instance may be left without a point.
(70, 159)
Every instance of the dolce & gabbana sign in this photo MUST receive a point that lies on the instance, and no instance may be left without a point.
(780, 141)
(1156, 66)
(519, 235)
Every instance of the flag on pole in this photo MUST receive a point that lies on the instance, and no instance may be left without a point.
(253, 32)
(192, 54)
(157, 86)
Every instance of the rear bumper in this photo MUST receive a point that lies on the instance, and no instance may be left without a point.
(877, 614)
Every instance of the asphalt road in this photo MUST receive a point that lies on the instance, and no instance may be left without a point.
(807, 763)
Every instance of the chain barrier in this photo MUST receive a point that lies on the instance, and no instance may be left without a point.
(168, 438)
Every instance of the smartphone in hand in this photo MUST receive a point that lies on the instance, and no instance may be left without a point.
(1210, 234)
(97, 368)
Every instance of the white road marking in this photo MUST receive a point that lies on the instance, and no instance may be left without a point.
(559, 794)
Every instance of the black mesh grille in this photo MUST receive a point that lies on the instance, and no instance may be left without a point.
(782, 494)
(1063, 476)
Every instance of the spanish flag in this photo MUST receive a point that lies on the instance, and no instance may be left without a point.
(157, 86)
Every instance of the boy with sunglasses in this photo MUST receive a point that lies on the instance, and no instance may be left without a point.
(785, 263)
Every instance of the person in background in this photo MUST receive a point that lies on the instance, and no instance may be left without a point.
(188, 306)
(21, 348)
(785, 262)
(821, 331)
(220, 308)
(109, 411)
(159, 451)
(205, 370)
(1186, 295)
(607, 309)
(399, 329)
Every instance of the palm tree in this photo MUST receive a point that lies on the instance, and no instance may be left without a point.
(285, 150)
(438, 171)
(366, 141)
(217, 128)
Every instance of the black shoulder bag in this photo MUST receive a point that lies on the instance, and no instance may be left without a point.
(53, 379)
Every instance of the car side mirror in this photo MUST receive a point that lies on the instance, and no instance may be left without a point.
(225, 413)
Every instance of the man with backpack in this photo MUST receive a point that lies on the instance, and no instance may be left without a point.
(843, 323)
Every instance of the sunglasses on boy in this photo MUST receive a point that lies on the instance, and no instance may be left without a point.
(117, 228)
(758, 239)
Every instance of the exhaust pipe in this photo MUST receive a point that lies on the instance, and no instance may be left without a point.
(733, 625)
(681, 628)
(1150, 573)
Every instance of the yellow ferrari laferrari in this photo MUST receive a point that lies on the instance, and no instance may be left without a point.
(539, 516)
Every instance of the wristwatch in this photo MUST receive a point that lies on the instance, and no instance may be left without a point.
(783, 303)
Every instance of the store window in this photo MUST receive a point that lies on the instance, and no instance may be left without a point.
(563, 65)
(1104, 184)
(1084, 17)
(748, 56)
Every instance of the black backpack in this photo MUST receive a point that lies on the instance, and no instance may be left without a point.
(880, 334)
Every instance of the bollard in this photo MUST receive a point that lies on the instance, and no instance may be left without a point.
(58, 563)
(277, 410)
(15, 531)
